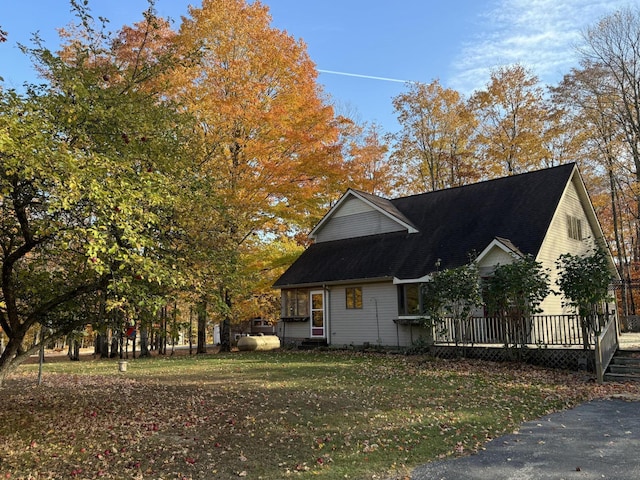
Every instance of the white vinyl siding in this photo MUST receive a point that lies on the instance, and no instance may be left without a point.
(355, 218)
(379, 310)
(496, 256)
(293, 331)
(559, 241)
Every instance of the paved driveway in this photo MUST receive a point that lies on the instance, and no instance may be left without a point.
(599, 439)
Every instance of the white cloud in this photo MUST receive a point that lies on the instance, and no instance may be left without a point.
(540, 34)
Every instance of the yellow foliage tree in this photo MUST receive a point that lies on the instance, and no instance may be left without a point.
(433, 147)
(512, 118)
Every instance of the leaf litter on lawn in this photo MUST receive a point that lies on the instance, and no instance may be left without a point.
(270, 415)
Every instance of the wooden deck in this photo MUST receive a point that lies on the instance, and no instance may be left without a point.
(629, 341)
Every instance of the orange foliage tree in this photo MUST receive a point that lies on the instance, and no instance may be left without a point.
(266, 138)
(367, 165)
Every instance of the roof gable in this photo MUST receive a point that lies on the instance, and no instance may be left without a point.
(503, 244)
(451, 225)
(355, 202)
(577, 183)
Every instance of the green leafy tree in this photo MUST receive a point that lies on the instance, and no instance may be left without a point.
(88, 165)
(584, 281)
(513, 294)
(453, 293)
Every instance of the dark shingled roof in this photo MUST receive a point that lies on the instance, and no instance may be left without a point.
(452, 224)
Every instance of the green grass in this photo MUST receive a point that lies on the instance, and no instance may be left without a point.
(259, 415)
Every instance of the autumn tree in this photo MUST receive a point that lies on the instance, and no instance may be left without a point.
(367, 165)
(433, 146)
(612, 46)
(265, 131)
(511, 116)
(86, 176)
(590, 111)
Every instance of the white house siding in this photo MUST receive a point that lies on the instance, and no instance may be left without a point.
(355, 218)
(293, 332)
(496, 256)
(557, 242)
(359, 326)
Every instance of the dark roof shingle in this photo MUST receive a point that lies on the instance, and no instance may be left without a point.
(453, 224)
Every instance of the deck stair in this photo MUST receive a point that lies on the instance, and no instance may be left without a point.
(312, 343)
(624, 367)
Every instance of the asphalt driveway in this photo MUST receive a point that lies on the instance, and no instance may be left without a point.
(598, 439)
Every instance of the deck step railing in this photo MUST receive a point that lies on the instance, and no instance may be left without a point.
(605, 348)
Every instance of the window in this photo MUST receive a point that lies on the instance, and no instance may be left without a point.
(295, 303)
(574, 227)
(354, 297)
(409, 301)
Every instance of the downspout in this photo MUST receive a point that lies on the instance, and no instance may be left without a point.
(375, 300)
(327, 308)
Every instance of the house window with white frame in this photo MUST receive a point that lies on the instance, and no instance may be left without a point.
(574, 225)
(353, 298)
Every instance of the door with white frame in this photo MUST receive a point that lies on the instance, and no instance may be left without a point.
(318, 320)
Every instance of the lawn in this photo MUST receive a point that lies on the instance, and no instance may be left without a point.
(268, 415)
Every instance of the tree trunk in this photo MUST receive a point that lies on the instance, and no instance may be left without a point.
(114, 346)
(144, 341)
(41, 356)
(102, 345)
(225, 336)
(164, 338)
(12, 357)
(202, 328)
(174, 328)
(121, 341)
(225, 331)
(133, 345)
(74, 349)
(617, 235)
(191, 331)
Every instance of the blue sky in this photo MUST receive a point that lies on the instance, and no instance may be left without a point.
(366, 49)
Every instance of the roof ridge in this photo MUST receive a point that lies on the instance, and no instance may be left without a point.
(483, 182)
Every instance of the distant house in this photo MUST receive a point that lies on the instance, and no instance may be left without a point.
(262, 326)
(358, 283)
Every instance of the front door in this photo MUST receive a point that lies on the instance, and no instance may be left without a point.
(317, 314)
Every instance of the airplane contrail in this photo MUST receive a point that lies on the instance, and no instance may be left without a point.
(370, 77)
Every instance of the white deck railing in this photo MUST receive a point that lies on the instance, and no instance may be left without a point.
(549, 330)
(606, 346)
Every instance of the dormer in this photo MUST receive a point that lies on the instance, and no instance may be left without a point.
(360, 214)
